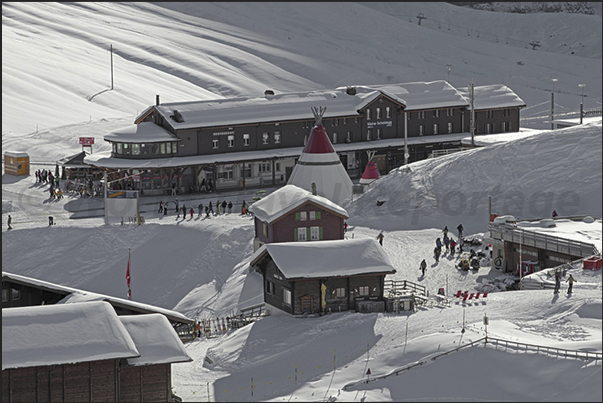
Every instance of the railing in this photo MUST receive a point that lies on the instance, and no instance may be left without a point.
(555, 351)
(543, 241)
(439, 153)
(393, 287)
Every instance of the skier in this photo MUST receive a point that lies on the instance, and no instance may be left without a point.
(460, 230)
(423, 266)
(557, 282)
(570, 280)
(380, 238)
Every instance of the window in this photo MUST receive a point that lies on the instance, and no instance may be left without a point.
(334, 122)
(119, 148)
(126, 149)
(4, 294)
(368, 135)
(356, 119)
(264, 166)
(363, 290)
(348, 138)
(162, 148)
(449, 127)
(388, 112)
(265, 229)
(435, 128)
(368, 114)
(489, 114)
(174, 148)
(301, 216)
(245, 139)
(506, 112)
(334, 138)
(265, 138)
(449, 112)
(277, 167)
(277, 137)
(301, 234)
(314, 215)
(436, 113)
(503, 126)
(488, 128)
(421, 114)
(315, 233)
(378, 113)
(135, 149)
(378, 134)
(286, 296)
(421, 130)
(340, 292)
(231, 142)
(16, 294)
(345, 121)
(216, 143)
(269, 287)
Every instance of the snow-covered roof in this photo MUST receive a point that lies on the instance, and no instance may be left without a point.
(15, 154)
(423, 95)
(271, 108)
(63, 334)
(587, 230)
(144, 132)
(286, 199)
(345, 257)
(74, 295)
(155, 339)
(492, 97)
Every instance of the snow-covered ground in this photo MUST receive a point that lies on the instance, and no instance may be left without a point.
(55, 80)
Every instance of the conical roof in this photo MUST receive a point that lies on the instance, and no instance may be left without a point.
(370, 173)
(320, 164)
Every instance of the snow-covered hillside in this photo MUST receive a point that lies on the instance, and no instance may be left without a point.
(56, 88)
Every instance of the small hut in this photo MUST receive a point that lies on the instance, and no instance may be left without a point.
(16, 163)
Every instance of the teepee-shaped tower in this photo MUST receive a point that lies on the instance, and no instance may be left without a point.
(371, 173)
(320, 164)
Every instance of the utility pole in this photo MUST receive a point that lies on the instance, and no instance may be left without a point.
(553, 102)
(111, 50)
(472, 123)
(582, 102)
(421, 17)
(406, 155)
(448, 73)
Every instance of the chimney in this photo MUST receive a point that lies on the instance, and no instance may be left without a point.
(314, 188)
(156, 99)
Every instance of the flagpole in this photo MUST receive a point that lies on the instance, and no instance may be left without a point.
(128, 276)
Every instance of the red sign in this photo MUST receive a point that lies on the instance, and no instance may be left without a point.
(86, 141)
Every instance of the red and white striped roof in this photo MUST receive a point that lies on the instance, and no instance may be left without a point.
(370, 174)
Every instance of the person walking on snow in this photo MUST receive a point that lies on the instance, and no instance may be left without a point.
(460, 230)
(177, 207)
(160, 207)
(10, 221)
(439, 243)
(446, 242)
(452, 246)
(557, 282)
(423, 266)
(571, 281)
(200, 209)
(380, 238)
(445, 231)
(192, 212)
(436, 253)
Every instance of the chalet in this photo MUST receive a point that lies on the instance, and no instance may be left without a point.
(21, 291)
(528, 246)
(86, 353)
(292, 214)
(255, 141)
(320, 277)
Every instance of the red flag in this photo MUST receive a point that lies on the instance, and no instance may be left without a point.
(128, 277)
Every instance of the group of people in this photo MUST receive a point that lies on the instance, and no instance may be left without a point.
(449, 243)
(222, 207)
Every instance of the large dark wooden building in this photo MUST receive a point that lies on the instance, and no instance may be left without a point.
(292, 214)
(249, 142)
(320, 277)
(86, 353)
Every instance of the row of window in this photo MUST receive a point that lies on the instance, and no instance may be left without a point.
(307, 234)
(303, 215)
(276, 139)
(16, 294)
(145, 148)
(362, 291)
